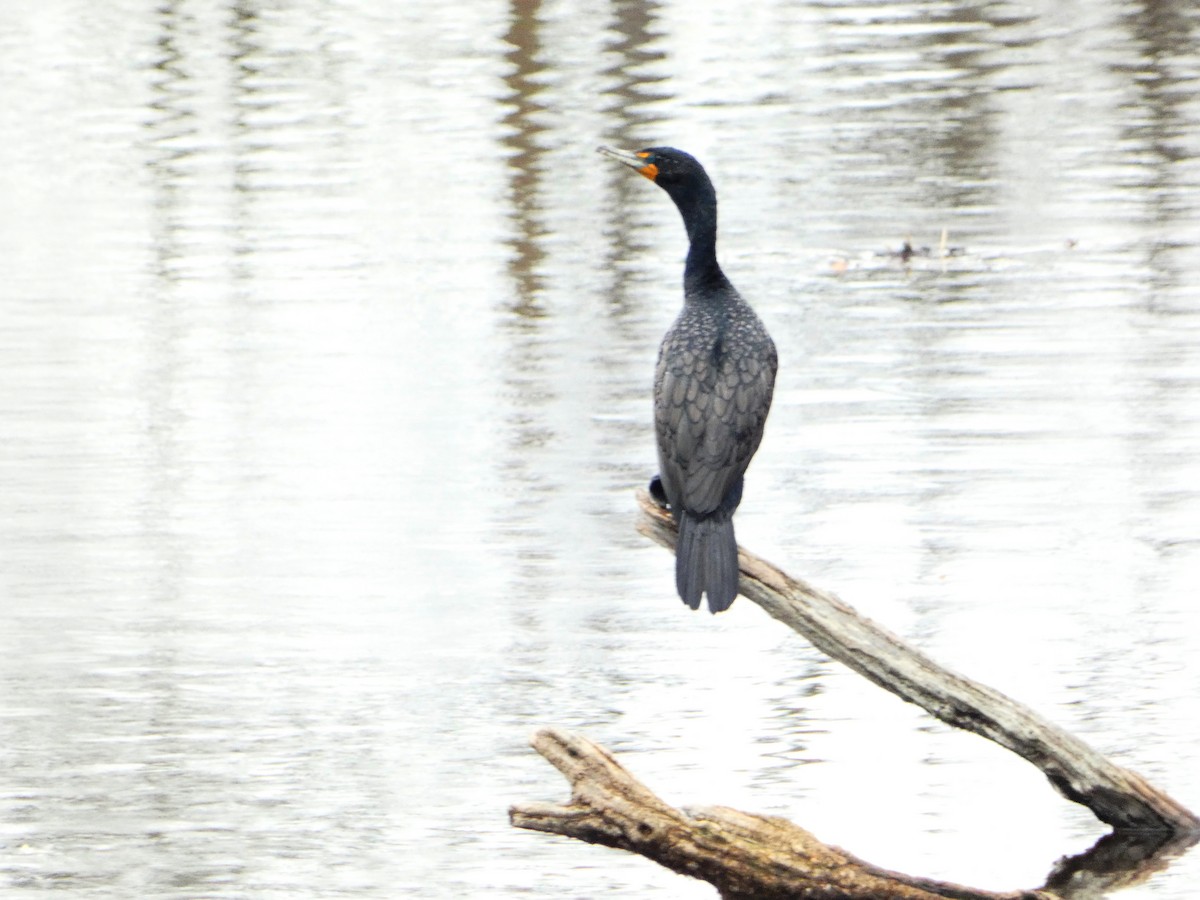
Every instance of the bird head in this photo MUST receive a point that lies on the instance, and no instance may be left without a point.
(665, 166)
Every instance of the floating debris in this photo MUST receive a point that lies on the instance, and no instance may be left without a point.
(909, 254)
(907, 251)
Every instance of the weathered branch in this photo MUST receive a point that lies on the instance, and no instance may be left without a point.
(1115, 795)
(747, 856)
(744, 856)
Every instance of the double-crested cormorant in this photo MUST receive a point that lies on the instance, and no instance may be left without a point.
(712, 389)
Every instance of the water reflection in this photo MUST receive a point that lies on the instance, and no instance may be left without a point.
(525, 162)
(1160, 71)
(527, 381)
(635, 78)
(634, 88)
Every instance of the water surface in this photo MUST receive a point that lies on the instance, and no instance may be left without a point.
(328, 341)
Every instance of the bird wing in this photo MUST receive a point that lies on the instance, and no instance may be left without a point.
(710, 409)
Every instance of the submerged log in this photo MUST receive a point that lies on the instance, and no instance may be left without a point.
(744, 856)
(1115, 795)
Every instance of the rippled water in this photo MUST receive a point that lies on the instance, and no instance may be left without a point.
(327, 342)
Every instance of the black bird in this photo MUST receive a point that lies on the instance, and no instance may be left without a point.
(712, 389)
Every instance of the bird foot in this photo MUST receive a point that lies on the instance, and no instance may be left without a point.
(657, 492)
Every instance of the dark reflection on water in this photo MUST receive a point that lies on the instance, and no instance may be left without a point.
(328, 341)
(520, 329)
(632, 90)
(1164, 75)
(525, 165)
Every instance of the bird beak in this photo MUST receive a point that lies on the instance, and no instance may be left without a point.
(633, 160)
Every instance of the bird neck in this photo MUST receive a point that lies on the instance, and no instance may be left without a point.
(699, 211)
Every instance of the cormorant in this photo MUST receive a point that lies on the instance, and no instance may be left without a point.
(712, 389)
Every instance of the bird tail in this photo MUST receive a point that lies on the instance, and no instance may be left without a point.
(706, 560)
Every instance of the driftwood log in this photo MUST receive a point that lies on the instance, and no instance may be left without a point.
(752, 857)
(1115, 795)
(744, 856)
(747, 856)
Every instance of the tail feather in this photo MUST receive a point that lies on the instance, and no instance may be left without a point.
(688, 553)
(706, 561)
(721, 567)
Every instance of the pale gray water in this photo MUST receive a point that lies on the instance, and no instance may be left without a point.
(327, 342)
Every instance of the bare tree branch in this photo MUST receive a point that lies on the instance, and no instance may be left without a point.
(750, 857)
(746, 857)
(1115, 795)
